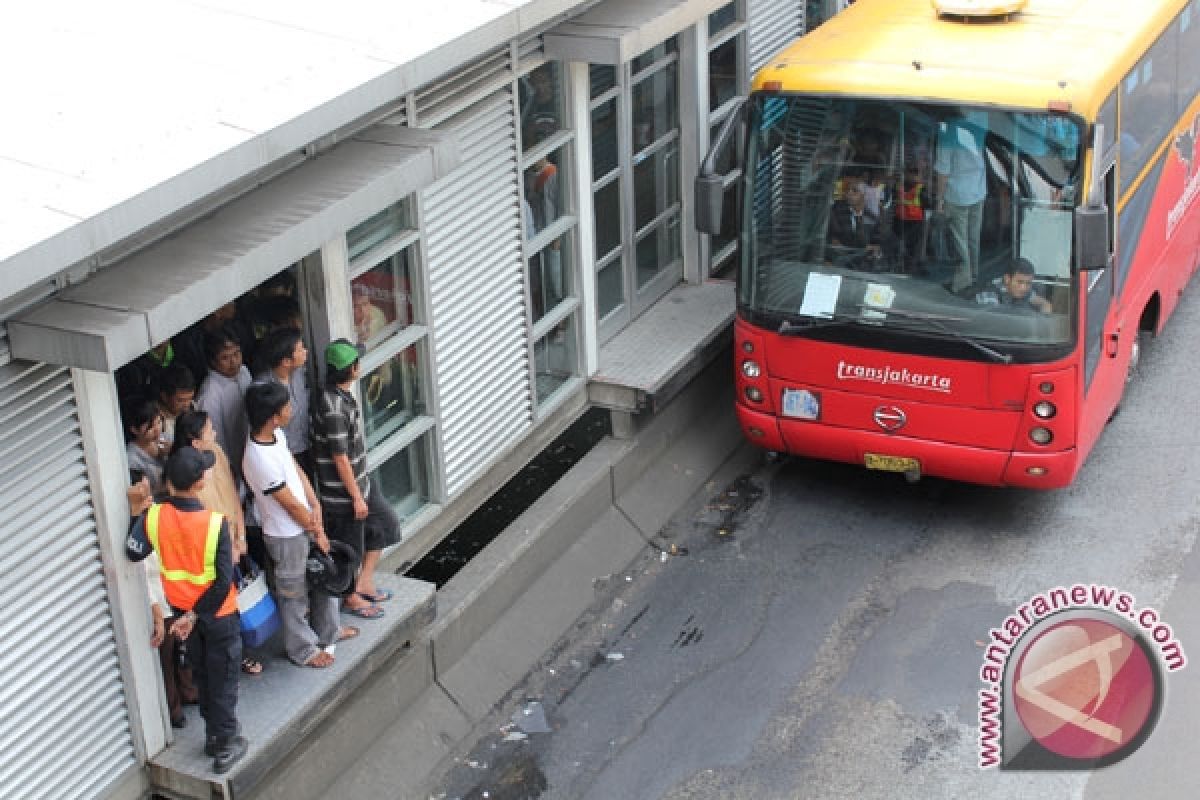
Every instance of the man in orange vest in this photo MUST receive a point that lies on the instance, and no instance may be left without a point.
(196, 553)
(910, 218)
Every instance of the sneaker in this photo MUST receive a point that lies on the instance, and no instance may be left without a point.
(227, 754)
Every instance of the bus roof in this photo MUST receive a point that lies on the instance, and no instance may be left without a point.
(1053, 51)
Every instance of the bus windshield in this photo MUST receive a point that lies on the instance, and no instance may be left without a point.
(942, 221)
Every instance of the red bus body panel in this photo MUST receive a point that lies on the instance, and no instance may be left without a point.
(964, 420)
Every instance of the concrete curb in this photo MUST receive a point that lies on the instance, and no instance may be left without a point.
(499, 614)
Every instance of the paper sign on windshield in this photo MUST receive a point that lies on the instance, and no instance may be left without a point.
(820, 294)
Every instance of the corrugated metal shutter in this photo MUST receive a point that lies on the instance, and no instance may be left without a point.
(472, 241)
(64, 724)
(773, 24)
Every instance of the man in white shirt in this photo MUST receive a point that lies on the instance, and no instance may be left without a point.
(221, 393)
(291, 518)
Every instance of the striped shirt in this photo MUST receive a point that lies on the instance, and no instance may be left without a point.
(337, 429)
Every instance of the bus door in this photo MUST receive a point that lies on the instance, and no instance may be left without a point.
(1103, 338)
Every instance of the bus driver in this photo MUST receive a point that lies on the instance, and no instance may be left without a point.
(1015, 288)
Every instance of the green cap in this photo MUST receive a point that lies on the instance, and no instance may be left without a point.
(341, 353)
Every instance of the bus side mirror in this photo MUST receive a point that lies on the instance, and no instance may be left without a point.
(1091, 238)
(710, 194)
(710, 186)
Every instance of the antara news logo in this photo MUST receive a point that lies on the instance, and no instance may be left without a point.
(1073, 680)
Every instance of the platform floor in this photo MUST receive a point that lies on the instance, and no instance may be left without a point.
(280, 707)
(646, 364)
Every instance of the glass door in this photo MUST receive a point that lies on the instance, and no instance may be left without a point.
(636, 184)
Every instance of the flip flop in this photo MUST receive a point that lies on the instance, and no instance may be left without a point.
(380, 596)
(251, 666)
(365, 612)
(320, 660)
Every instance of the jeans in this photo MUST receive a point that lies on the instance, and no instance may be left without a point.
(302, 638)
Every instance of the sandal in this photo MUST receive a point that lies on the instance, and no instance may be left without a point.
(365, 612)
(251, 667)
(380, 596)
(320, 660)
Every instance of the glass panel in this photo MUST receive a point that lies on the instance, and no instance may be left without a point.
(655, 185)
(725, 268)
(541, 96)
(544, 192)
(721, 19)
(550, 276)
(854, 221)
(604, 139)
(1108, 118)
(382, 299)
(1147, 106)
(650, 56)
(723, 74)
(1189, 55)
(601, 78)
(404, 478)
(378, 229)
(655, 108)
(610, 289)
(657, 250)
(554, 359)
(606, 204)
(392, 395)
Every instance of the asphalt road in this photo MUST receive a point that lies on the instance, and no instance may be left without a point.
(822, 636)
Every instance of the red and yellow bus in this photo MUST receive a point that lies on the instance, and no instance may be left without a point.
(957, 221)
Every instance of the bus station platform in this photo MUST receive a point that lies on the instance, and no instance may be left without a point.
(648, 363)
(285, 705)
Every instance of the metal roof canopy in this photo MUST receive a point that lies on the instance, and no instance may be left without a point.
(131, 111)
(617, 31)
(116, 315)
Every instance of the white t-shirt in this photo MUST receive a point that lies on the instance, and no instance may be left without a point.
(267, 469)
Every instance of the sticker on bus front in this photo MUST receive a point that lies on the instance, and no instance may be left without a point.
(801, 404)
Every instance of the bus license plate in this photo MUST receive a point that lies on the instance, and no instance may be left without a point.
(891, 463)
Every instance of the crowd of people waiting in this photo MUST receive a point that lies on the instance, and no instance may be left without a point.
(236, 464)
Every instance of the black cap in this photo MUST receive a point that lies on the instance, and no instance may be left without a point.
(186, 467)
(332, 572)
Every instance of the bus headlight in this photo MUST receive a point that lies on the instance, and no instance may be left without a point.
(1041, 436)
(1045, 409)
(751, 369)
(753, 394)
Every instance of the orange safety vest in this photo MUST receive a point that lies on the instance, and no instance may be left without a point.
(188, 554)
(909, 208)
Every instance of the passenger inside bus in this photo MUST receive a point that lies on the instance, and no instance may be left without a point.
(855, 233)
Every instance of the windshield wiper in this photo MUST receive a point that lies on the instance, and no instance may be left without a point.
(939, 321)
(787, 328)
